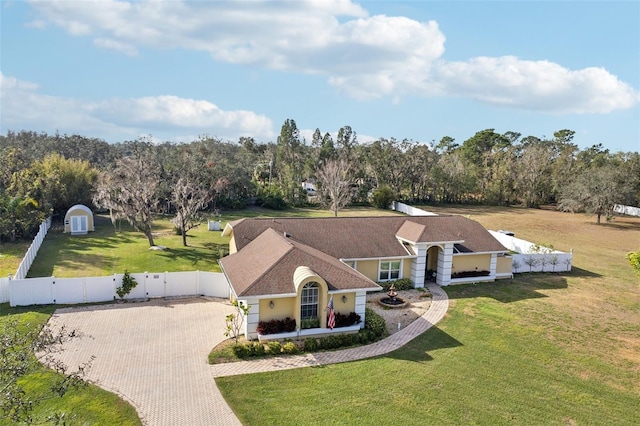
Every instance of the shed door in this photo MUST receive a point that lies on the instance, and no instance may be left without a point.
(78, 224)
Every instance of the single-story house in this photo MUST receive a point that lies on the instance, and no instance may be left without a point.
(79, 220)
(290, 267)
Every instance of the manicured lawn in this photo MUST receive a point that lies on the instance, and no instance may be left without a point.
(88, 405)
(11, 255)
(539, 349)
(105, 251)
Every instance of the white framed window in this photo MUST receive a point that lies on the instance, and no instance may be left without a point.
(309, 301)
(389, 270)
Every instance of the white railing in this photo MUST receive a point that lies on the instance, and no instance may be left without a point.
(411, 211)
(533, 258)
(52, 290)
(31, 254)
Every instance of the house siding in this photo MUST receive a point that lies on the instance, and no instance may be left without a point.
(282, 308)
(464, 263)
(406, 268)
(368, 268)
(503, 267)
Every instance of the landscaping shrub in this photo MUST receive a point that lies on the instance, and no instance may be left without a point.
(274, 347)
(310, 323)
(290, 348)
(401, 284)
(347, 320)
(240, 350)
(330, 342)
(375, 324)
(275, 326)
(256, 349)
(310, 344)
(470, 274)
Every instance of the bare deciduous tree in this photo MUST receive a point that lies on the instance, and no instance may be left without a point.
(189, 197)
(334, 184)
(129, 192)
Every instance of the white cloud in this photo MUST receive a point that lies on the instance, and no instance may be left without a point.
(167, 117)
(362, 56)
(535, 85)
(107, 43)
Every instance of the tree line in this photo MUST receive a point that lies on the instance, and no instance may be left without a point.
(42, 175)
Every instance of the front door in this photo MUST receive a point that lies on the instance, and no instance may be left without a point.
(78, 224)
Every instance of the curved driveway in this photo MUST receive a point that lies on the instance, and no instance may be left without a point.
(154, 354)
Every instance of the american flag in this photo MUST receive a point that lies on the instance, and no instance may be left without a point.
(332, 315)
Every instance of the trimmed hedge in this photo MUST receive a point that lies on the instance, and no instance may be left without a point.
(470, 274)
(275, 326)
(401, 284)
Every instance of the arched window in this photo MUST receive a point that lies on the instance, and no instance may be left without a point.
(309, 301)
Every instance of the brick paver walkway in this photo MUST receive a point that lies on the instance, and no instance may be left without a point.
(436, 312)
(154, 354)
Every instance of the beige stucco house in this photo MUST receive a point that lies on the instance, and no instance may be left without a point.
(290, 267)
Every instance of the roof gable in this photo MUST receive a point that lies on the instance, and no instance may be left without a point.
(267, 264)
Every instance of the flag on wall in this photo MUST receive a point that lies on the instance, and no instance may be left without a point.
(332, 315)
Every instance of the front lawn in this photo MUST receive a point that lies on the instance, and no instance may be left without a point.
(539, 349)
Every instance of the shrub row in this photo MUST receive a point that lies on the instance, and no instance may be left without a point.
(469, 274)
(288, 325)
(275, 326)
(257, 349)
(347, 320)
(374, 329)
(401, 284)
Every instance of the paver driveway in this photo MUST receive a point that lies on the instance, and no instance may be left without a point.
(153, 354)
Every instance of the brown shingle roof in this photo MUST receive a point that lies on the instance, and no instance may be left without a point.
(371, 237)
(266, 266)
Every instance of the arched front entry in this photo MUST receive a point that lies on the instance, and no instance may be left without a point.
(311, 295)
(431, 264)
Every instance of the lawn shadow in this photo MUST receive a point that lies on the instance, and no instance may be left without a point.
(190, 254)
(506, 291)
(418, 349)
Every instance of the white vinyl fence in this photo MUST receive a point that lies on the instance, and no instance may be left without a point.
(51, 290)
(628, 210)
(28, 258)
(532, 257)
(4, 289)
(411, 211)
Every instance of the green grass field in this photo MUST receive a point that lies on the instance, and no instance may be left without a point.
(105, 251)
(539, 349)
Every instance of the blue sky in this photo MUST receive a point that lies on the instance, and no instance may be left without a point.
(419, 70)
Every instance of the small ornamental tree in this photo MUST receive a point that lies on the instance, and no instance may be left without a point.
(234, 321)
(634, 260)
(128, 284)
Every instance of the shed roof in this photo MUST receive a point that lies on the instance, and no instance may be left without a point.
(79, 207)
